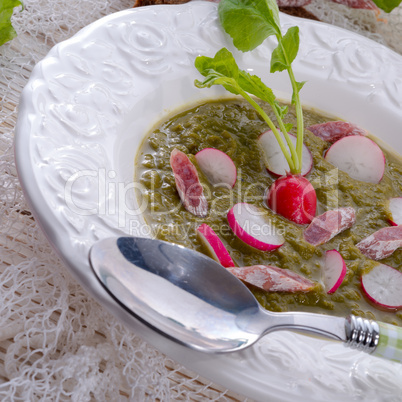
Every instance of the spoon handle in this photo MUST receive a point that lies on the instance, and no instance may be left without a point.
(390, 342)
(378, 338)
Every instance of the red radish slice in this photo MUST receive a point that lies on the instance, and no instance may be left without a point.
(327, 225)
(395, 206)
(294, 198)
(383, 286)
(251, 225)
(334, 271)
(214, 245)
(359, 157)
(382, 243)
(332, 131)
(188, 184)
(274, 158)
(273, 279)
(217, 166)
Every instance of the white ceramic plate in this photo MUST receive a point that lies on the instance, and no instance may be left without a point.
(89, 104)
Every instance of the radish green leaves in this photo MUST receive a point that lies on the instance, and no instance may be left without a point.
(249, 23)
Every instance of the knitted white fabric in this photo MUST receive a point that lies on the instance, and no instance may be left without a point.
(383, 28)
(56, 342)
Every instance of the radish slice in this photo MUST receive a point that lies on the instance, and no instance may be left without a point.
(275, 160)
(188, 184)
(273, 279)
(334, 271)
(332, 131)
(217, 166)
(395, 206)
(214, 245)
(251, 225)
(383, 286)
(359, 157)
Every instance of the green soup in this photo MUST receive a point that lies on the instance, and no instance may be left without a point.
(233, 127)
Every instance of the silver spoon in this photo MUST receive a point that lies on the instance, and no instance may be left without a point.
(193, 300)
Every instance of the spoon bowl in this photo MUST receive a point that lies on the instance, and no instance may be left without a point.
(180, 293)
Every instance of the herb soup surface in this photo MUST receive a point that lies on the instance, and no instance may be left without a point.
(233, 127)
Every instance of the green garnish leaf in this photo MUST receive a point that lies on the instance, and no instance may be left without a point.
(219, 70)
(288, 126)
(223, 70)
(282, 111)
(387, 5)
(286, 51)
(253, 85)
(7, 32)
(299, 86)
(249, 22)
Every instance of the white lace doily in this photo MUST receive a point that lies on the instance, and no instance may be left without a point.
(56, 343)
(383, 28)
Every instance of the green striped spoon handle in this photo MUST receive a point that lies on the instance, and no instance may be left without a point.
(377, 338)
